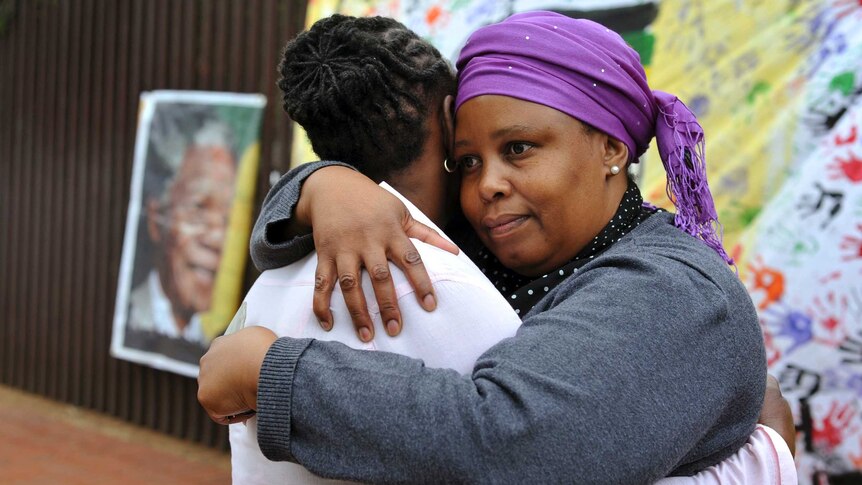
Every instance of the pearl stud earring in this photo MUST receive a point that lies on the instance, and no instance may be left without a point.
(615, 169)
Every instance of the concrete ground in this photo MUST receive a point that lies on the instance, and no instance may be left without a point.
(44, 442)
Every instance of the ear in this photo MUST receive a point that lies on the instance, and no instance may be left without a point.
(153, 228)
(448, 122)
(614, 153)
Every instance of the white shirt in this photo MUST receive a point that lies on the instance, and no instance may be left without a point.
(471, 316)
(151, 311)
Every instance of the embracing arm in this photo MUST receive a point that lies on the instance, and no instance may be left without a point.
(582, 385)
(765, 458)
(277, 239)
(357, 224)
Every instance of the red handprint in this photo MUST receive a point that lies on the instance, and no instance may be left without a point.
(853, 244)
(835, 275)
(846, 7)
(736, 252)
(834, 427)
(847, 140)
(769, 280)
(830, 313)
(851, 169)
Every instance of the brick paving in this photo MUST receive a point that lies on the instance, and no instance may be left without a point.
(44, 442)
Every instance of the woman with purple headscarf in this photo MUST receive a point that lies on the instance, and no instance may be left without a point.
(640, 354)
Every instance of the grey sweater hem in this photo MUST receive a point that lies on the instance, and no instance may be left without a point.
(273, 406)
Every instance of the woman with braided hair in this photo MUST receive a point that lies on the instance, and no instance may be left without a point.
(406, 87)
(356, 84)
(639, 355)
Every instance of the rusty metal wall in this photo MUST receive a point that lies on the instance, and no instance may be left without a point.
(70, 76)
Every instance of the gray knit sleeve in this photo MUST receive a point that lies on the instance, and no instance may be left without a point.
(633, 371)
(276, 375)
(269, 247)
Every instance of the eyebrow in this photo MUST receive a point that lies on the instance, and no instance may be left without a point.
(513, 129)
(502, 133)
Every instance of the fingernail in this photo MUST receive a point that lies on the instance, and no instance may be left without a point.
(392, 327)
(429, 302)
(364, 334)
(325, 325)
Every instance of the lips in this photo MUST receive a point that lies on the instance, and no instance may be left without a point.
(204, 274)
(503, 224)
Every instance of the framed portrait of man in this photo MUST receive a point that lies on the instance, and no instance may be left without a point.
(188, 223)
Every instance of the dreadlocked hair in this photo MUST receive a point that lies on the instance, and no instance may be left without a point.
(362, 88)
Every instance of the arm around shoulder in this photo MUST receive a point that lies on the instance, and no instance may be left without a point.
(590, 379)
(277, 239)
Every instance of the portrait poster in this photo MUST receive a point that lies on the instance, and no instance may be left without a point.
(188, 225)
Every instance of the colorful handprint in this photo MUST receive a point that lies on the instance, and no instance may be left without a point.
(766, 281)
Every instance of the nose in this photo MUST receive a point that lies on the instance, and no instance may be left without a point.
(215, 230)
(214, 237)
(494, 181)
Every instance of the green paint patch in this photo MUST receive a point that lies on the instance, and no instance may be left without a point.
(459, 4)
(759, 89)
(844, 82)
(738, 216)
(748, 215)
(643, 42)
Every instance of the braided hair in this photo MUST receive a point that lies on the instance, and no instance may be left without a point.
(362, 88)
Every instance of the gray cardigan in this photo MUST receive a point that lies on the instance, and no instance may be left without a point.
(648, 361)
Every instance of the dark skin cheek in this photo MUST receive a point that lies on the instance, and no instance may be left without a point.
(469, 203)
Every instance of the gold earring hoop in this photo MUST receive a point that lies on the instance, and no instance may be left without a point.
(446, 166)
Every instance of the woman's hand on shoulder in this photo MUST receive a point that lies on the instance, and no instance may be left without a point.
(358, 225)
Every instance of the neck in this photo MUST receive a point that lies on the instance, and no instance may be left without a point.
(424, 184)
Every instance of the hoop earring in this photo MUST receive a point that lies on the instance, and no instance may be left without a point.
(615, 169)
(446, 166)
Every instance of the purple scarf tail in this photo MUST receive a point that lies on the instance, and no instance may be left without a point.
(682, 148)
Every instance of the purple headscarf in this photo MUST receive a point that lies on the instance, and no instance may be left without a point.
(587, 71)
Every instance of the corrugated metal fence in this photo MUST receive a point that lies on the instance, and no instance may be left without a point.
(70, 76)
